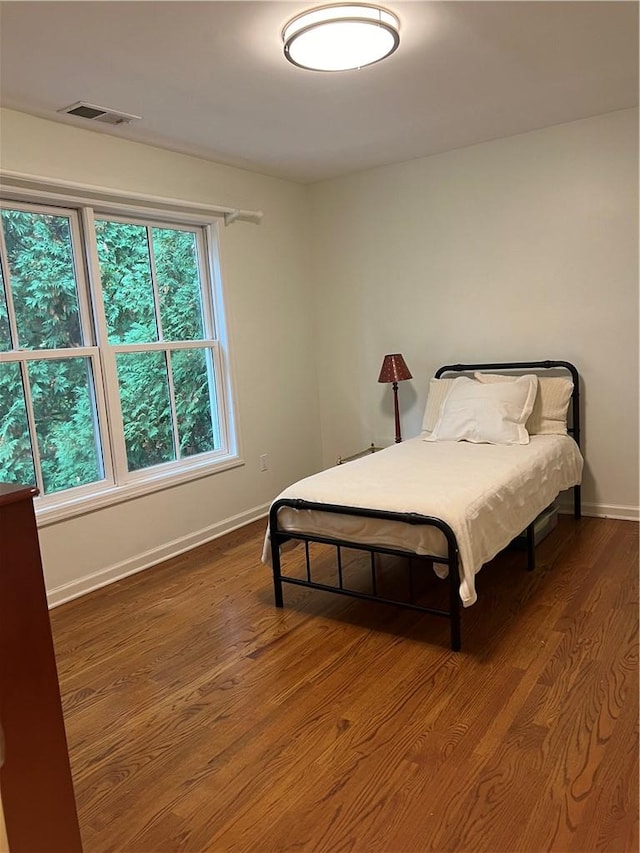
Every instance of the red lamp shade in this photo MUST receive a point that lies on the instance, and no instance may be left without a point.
(394, 369)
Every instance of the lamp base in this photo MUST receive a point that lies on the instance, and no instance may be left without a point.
(396, 412)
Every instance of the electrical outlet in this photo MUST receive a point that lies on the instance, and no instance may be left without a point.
(263, 462)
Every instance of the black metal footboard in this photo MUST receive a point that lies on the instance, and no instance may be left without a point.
(278, 537)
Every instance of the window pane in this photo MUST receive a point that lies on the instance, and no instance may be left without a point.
(178, 281)
(64, 411)
(146, 412)
(125, 271)
(16, 461)
(5, 333)
(193, 401)
(43, 281)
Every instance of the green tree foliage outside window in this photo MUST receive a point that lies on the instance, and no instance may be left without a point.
(45, 300)
(129, 256)
(151, 293)
(16, 458)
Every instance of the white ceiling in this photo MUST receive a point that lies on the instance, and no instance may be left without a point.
(209, 78)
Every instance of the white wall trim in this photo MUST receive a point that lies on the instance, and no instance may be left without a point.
(39, 186)
(88, 583)
(622, 513)
(148, 559)
(110, 495)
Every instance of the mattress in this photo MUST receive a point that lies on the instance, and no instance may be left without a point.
(487, 494)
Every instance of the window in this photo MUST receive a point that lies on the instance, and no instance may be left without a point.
(112, 370)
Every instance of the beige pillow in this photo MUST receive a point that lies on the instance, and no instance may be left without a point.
(549, 415)
(438, 391)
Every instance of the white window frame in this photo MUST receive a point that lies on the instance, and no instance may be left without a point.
(120, 484)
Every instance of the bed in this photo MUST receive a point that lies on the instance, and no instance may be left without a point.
(499, 443)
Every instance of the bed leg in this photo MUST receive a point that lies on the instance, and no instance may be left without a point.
(577, 502)
(454, 603)
(277, 581)
(456, 643)
(531, 548)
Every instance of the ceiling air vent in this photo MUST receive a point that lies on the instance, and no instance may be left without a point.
(92, 112)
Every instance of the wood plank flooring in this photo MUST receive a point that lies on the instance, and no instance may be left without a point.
(201, 718)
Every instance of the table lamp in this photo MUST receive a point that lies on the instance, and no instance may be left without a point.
(394, 369)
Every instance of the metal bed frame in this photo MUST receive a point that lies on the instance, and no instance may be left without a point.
(279, 537)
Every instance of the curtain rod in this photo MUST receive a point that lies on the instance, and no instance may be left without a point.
(89, 194)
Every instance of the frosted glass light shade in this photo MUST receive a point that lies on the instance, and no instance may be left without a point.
(341, 38)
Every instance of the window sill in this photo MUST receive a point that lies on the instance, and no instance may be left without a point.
(112, 495)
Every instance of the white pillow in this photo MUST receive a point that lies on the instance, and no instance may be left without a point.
(549, 415)
(438, 390)
(492, 413)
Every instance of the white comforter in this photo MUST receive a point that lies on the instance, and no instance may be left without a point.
(486, 493)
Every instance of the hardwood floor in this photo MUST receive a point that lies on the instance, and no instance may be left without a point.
(201, 718)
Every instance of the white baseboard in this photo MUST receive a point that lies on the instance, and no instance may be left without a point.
(622, 513)
(81, 586)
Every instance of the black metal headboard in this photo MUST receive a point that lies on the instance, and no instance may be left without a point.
(574, 427)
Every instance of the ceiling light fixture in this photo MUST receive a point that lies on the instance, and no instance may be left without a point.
(341, 37)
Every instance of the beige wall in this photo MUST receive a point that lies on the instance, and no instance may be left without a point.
(522, 248)
(267, 291)
(519, 249)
